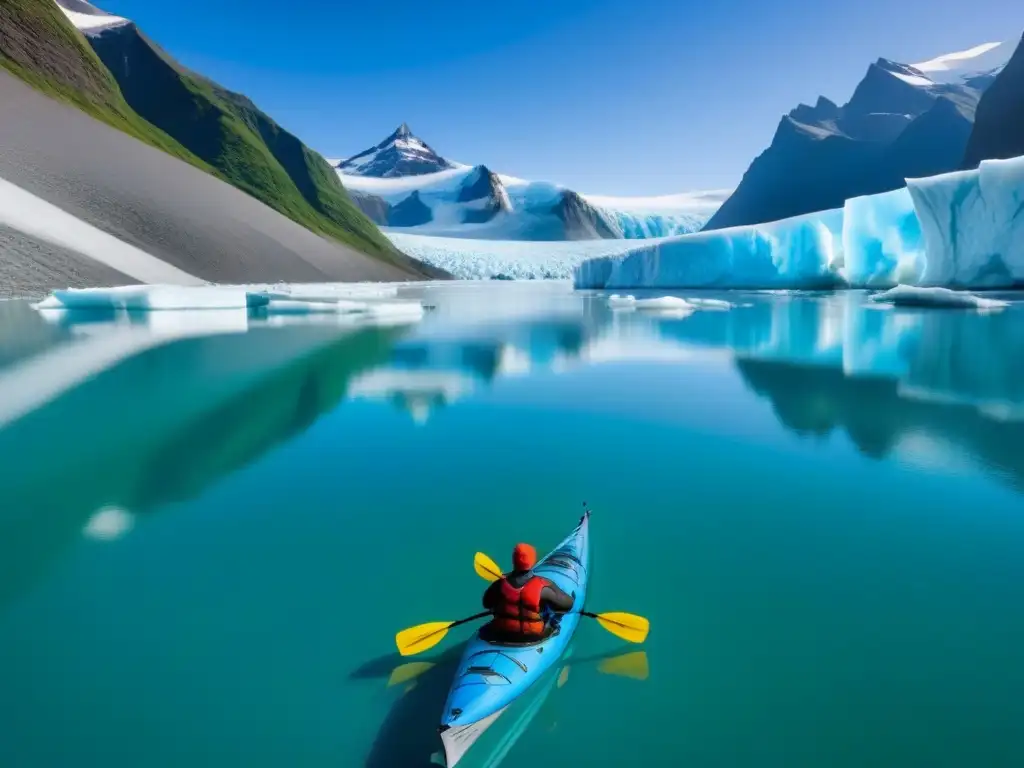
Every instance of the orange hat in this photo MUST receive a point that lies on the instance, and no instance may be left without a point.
(524, 557)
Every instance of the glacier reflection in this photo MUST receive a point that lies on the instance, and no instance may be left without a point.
(98, 415)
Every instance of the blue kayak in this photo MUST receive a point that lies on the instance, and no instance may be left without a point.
(490, 676)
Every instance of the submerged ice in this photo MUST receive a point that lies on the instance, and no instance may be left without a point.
(961, 230)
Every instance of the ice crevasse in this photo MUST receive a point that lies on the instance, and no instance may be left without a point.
(963, 229)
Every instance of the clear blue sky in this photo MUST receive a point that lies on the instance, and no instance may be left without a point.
(605, 96)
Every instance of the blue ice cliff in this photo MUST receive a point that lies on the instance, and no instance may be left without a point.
(963, 229)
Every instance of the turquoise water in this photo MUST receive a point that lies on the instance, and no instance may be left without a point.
(210, 530)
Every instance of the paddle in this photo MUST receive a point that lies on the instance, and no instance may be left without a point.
(425, 636)
(627, 626)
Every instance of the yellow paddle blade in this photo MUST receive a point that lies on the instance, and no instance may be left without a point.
(632, 664)
(628, 626)
(486, 568)
(418, 639)
(408, 671)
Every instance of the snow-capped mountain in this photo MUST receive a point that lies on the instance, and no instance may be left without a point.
(89, 19)
(400, 154)
(902, 121)
(403, 184)
(963, 66)
(999, 126)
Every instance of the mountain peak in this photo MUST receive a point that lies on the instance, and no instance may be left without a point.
(400, 154)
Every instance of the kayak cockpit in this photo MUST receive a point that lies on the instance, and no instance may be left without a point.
(488, 637)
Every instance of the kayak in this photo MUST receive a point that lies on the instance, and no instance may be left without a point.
(490, 676)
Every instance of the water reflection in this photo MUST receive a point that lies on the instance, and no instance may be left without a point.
(910, 383)
(98, 415)
(103, 423)
(936, 387)
(127, 419)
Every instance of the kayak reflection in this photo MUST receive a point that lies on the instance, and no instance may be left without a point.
(408, 735)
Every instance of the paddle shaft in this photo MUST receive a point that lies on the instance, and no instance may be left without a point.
(471, 618)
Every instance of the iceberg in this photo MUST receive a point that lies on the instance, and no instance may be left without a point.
(963, 230)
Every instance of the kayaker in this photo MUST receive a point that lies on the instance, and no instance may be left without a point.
(525, 605)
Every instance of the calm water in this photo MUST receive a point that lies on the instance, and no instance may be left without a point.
(211, 528)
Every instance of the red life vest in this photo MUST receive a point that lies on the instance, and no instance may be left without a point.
(517, 611)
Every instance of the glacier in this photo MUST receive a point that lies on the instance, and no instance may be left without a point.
(484, 259)
(963, 229)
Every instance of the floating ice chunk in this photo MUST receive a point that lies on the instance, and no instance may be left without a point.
(325, 291)
(662, 302)
(916, 296)
(714, 304)
(303, 307)
(621, 301)
(278, 301)
(666, 303)
(153, 297)
(109, 523)
(395, 310)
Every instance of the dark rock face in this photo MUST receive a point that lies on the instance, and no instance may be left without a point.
(897, 124)
(582, 221)
(411, 212)
(400, 154)
(998, 131)
(483, 185)
(375, 208)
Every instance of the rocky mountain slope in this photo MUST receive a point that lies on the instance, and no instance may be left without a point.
(105, 66)
(902, 121)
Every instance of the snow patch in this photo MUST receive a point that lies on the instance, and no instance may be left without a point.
(912, 79)
(955, 60)
(90, 19)
(24, 212)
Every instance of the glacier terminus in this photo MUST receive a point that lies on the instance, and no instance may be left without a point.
(963, 229)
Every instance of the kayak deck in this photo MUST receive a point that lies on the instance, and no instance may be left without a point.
(491, 675)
